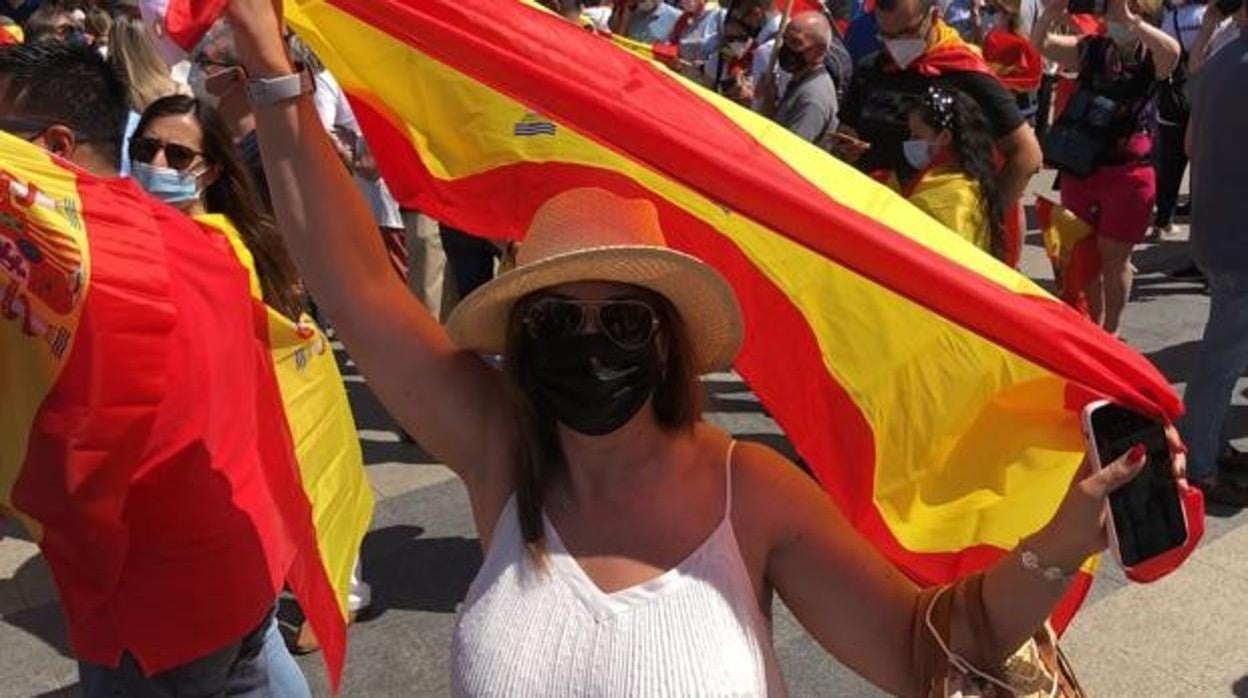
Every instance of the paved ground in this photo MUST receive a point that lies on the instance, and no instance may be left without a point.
(1181, 636)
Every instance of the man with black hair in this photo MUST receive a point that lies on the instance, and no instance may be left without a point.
(66, 99)
(156, 535)
(920, 50)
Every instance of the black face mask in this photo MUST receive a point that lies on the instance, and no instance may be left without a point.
(790, 60)
(591, 384)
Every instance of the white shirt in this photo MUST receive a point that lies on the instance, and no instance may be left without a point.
(695, 630)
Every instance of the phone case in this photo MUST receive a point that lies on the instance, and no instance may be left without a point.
(1191, 499)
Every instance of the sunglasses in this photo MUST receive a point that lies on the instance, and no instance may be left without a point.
(629, 323)
(145, 148)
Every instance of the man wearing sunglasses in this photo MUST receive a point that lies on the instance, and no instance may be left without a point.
(921, 51)
(215, 635)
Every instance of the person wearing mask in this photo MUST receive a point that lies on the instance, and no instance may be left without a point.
(194, 625)
(182, 154)
(649, 21)
(696, 37)
(1218, 145)
(631, 548)
(52, 22)
(950, 150)
(920, 50)
(1119, 73)
(751, 29)
(808, 106)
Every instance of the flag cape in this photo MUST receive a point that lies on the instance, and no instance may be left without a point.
(327, 445)
(1071, 248)
(948, 53)
(934, 392)
(140, 410)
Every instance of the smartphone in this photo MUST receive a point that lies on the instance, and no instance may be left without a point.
(1146, 517)
(1087, 7)
(1228, 7)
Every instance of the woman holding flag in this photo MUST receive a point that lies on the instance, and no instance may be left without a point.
(630, 547)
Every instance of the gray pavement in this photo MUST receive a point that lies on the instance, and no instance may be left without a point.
(1180, 636)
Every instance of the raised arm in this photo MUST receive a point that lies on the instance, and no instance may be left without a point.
(1062, 49)
(1164, 48)
(448, 399)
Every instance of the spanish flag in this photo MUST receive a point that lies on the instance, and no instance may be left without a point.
(934, 392)
(161, 432)
(1071, 248)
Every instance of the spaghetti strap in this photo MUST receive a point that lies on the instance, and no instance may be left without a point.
(732, 446)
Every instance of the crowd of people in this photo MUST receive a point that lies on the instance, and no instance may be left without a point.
(590, 473)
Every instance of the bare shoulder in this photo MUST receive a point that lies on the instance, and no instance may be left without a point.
(775, 502)
(763, 478)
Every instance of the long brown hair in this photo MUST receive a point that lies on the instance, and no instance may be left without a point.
(677, 404)
(234, 196)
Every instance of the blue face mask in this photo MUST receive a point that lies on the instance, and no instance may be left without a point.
(168, 185)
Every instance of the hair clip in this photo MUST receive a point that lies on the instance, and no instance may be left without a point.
(939, 104)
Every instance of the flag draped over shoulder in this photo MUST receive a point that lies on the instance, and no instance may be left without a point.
(327, 445)
(140, 409)
(934, 392)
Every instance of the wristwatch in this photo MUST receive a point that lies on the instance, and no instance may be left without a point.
(263, 92)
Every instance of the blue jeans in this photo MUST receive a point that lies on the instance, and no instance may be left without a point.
(257, 666)
(1222, 359)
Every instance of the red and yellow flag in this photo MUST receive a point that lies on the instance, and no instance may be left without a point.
(1072, 250)
(934, 392)
(175, 451)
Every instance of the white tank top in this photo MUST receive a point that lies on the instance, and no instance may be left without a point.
(695, 630)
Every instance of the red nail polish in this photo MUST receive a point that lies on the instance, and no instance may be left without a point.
(1136, 454)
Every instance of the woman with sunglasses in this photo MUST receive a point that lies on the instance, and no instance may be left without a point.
(955, 181)
(182, 153)
(630, 548)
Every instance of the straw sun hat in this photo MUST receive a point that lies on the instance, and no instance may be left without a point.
(593, 235)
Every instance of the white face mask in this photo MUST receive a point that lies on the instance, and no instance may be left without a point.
(918, 152)
(196, 79)
(647, 6)
(905, 51)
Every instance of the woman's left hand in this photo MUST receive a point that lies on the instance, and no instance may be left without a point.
(1078, 530)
